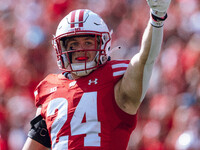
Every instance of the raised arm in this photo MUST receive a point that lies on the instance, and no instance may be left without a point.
(131, 89)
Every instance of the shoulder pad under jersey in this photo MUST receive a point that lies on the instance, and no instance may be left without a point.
(44, 88)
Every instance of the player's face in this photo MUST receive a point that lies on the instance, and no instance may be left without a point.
(82, 43)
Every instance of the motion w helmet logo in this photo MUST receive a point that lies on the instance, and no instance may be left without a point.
(77, 18)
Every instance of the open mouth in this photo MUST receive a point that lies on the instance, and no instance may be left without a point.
(82, 58)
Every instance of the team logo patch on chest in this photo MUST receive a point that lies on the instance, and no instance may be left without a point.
(72, 84)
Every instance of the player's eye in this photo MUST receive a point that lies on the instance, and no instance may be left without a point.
(73, 45)
(88, 43)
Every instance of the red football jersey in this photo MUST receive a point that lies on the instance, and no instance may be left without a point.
(82, 114)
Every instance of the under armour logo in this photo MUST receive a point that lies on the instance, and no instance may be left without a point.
(94, 81)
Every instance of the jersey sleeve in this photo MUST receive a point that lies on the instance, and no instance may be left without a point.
(119, 67)
(128, 119)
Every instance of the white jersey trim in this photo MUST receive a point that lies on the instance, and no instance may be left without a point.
(118, 73)
(119, 65)
(35, 93)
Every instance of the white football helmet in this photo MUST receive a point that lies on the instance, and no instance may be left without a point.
(78, 23)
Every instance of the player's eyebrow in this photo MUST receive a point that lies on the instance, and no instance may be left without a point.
(72, 39)
(89, 38)
(84, 38)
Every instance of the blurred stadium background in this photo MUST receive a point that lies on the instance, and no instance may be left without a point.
(168, 119)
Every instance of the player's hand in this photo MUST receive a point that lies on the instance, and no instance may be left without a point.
(159, 7)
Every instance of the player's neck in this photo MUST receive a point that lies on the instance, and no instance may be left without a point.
(74, 76)
(70, 76)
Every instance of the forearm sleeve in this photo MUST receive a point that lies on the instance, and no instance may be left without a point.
(156, 41)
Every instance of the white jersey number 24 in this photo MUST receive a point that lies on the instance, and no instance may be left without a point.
(92, 127)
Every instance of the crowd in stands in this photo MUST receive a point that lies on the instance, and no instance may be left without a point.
(169, 117)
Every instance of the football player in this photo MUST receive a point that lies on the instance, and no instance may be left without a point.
(94, 103)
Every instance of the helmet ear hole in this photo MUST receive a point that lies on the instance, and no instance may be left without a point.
(109, 58)
(103, 59)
